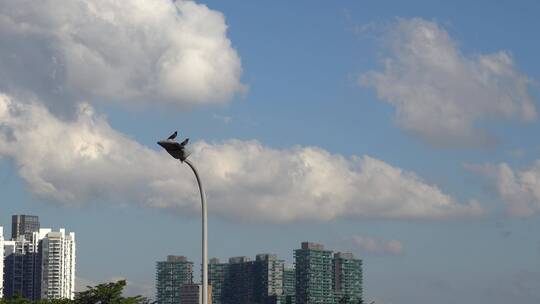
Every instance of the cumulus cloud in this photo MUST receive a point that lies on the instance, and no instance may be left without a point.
(85, 160)
(371, 246)
(519, 189)
(442, 95)
(141, 51)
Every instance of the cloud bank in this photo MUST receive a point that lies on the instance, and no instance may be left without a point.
(85, 160)
(519, 189)
(137, 51)
(441, 95)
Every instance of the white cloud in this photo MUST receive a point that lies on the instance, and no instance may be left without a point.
(124, 51)
(441, 95)
(371, 246)
(519, 189)
(85, 160)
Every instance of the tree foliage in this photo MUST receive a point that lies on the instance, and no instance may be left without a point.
(106, 293)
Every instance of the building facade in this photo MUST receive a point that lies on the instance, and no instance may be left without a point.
(314, 274)
(191, 294)
(347, 278)
(171, 275)
(22, 264)
(217, 275)
(22, 267)
(289, 285)
(268, 279)
(243, 281)
(239, 284)
(24, 225)
(57, 264)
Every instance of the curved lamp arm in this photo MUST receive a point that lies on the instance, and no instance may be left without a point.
(204, 275)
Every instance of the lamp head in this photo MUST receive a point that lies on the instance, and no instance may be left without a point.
(175, 149)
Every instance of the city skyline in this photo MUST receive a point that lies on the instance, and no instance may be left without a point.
(319, 275)
(403, 132)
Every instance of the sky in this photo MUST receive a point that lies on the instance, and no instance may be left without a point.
(402, 131)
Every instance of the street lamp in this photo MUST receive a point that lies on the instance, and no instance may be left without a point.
(179, 151)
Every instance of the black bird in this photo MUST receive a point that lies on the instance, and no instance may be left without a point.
(184, 142)
(173, 136)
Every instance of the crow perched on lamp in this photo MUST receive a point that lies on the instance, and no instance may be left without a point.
(173, 136)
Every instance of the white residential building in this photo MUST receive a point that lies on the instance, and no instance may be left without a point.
(58, 265)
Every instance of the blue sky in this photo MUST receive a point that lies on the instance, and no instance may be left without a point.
(404, 132)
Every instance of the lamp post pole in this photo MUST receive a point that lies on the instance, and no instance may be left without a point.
(204, 258)
(179, 151)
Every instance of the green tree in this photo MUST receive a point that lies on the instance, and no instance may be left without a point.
(17, 299)
(107, 293)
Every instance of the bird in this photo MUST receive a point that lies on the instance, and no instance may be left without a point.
(173, 136)
(184, 142)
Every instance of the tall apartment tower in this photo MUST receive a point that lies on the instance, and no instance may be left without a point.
(347, 278)
(24, 225)
(191, 294)
(239, 285)
(245, 281)
(314, 275)
(268, 279)
(57, 251)
(171, 275)
(218, 273)
(1, 262)
(22, 267)
(289, 285)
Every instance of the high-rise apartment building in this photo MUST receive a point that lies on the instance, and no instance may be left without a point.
(347, 278)
(239, 284)
(191, 294)
(171, 275)
(217, 275)
(245, 281)
(268, 279)
(289, 285)
(22, 267)
(314, 275)
(57, 251)
(24, 225)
